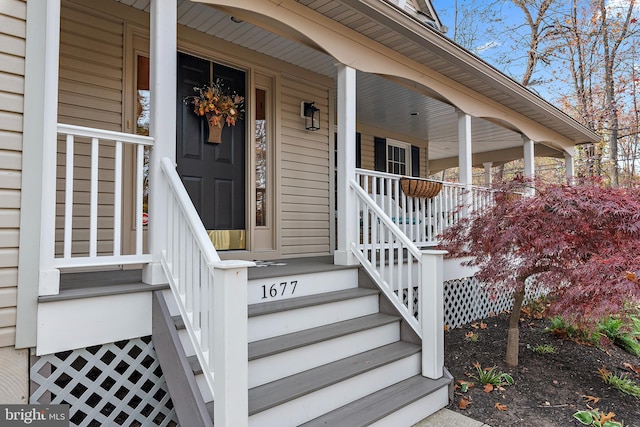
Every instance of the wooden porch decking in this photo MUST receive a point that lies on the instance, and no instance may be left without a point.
(99, 283)
(113, 282)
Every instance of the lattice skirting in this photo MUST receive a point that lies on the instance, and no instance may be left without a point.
(107, 385)
(466, 300)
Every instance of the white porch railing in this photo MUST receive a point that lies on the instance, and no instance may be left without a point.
(422, 219)
(212, 298)
(90, 205)
(398, 267)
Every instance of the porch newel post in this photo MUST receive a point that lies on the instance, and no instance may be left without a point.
(465, 158)
(569, 167)
(230, 336)
(529, 165)
(431, 311)
(347, 213)
(163, 75)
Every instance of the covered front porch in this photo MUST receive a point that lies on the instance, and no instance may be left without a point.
(408, 105)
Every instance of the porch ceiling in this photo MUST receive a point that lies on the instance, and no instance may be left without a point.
(381, 102)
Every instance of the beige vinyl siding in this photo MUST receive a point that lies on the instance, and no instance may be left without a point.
(90, 94)
(12, 52)
(304, 172)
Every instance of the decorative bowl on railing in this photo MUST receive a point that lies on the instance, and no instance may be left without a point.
(420, 187)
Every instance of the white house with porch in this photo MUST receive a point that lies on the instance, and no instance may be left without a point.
(279, 277)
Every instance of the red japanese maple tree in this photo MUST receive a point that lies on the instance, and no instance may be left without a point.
(579, 243)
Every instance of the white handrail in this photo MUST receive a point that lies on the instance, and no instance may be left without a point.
(423, 219)
(91, 226)
(410, 279)
(382, 253)
(211, 296)
(191, 214)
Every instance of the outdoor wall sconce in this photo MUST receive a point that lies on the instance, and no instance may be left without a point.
(311, 115)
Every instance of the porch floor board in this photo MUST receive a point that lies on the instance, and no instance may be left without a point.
(113, 282)
(293, 266)
(100, 283)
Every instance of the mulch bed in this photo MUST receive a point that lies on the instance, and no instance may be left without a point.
(548, 388)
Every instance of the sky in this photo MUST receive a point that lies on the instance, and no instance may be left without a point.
(487, 45)
(496, 36)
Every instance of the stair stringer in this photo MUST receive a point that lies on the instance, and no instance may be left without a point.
(181, 382)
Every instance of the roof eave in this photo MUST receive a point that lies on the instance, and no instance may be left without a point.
(413, 28)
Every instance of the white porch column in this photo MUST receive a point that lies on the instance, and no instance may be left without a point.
(569, 167)
(37, 196)
(465, 159)
(529, 164)
(488, 176)
(49, 277)
(163, 85)
(464, 148)
(346, 164)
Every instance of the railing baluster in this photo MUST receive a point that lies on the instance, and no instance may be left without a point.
(104, 245)
(68, 198)
(399, 267)
(117, 200)
(93, 207)
(410, 283)
(139, 196)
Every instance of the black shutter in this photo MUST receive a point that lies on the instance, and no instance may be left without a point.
(379, 154)
(358, 150)
(415, 161)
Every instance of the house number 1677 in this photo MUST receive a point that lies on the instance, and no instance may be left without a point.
(279, 289)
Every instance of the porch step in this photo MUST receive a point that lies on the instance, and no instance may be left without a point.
(271, 319)
(290, 354)
(377, 406)
(298, 277)
(264, 308)
(329, 358)
(272, 346)
(300, 397)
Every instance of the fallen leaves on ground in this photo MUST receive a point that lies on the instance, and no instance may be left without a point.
(591, 399)
(463, 403)
(488, 388)
(500, 406)
(632, 368)
(602, 418)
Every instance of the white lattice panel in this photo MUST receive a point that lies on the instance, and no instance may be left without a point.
(466, 300)
(113, 384)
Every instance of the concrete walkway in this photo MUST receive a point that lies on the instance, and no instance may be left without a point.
(448, 418)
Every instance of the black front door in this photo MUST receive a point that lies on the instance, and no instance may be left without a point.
(213, 174)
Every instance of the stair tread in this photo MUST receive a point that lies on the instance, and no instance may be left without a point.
(280, 391)
(279, 344)
(194, 363)
(178, 321)
(307, 301)
(376, 406)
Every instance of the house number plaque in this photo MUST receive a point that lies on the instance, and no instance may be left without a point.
(279, 289)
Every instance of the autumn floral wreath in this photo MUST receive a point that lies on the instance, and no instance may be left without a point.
(214, 101)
